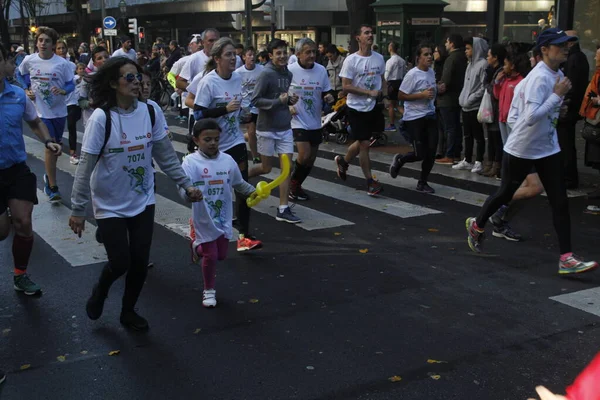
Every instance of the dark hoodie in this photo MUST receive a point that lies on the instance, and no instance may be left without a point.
(273, 115)
(577, 69)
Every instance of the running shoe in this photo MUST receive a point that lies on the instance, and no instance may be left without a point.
(396, 165)
(209, 298)
(463, 165)
(390, 128)
(424, 187)
(475, 237)
(287, 216)
(296, 192)
(575, 265)
(23, 283)
(74, 159)
(477, 168)
(132, 320)
(342, 167)
(503, 230)
(246, 243)
(52, 192)
(374, 188)
(445, 161)
(95, 304)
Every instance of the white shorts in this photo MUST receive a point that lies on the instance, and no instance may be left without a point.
(275, 143)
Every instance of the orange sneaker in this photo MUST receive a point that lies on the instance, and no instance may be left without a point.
(445, 161)
(246, 243)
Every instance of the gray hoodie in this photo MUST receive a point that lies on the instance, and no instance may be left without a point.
(273, 115)
(473, 89)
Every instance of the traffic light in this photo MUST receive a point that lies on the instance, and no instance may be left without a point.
(237, 21)
(141, 35)
(33, 29)
(133, 28)
(98, 31)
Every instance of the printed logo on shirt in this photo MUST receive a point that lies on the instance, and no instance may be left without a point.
(199, 183)
(124, 135)
(116, 150)
(222, 173)
(125, 142)
(216, 182)
(143, 137)
(135, 148)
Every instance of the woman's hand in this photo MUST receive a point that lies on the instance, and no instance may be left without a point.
(77, 224)
(30, 94)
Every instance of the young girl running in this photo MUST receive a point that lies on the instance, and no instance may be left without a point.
(214, 173)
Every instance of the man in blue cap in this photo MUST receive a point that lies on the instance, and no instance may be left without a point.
(533, 143)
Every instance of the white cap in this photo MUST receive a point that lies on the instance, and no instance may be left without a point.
(196, 38)
(20, 48)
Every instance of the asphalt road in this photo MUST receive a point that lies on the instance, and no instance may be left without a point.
(329, 313)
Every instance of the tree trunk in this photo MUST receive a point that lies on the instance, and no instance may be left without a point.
(24, 30)
(359, 12)
(4, 28)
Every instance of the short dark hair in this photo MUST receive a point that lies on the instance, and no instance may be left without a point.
(332, 49)
(263, 54)
(276, 44)
(200, 126)
(358, 30)
(457, 40)
(249, 48)
(174, 43)
(46, 30)
(421, 46)
(395, 46)
(98, 49)
(469, 41)
(499, 51)
(239, 46)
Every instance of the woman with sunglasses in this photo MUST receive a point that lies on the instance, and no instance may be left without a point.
(118, 171)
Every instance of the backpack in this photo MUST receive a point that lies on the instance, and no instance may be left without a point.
(108, 126)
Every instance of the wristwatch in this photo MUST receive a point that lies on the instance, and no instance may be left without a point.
(48, 141)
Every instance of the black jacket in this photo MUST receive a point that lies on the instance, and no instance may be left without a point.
(175, 55)
(453, 76)
(490, 76)
(577, 69)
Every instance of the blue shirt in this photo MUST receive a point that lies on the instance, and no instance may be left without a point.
(14, 108)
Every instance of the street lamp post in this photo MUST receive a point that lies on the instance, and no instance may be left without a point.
(123, 8)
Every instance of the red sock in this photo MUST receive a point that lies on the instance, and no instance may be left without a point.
(21, 249)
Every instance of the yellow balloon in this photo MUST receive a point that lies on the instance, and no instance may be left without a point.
(263, 189)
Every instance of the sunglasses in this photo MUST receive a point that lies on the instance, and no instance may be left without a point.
(130, 77)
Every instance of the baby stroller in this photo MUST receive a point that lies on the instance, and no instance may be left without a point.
(335, 123)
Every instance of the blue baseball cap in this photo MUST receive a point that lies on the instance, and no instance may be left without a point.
(554, 36)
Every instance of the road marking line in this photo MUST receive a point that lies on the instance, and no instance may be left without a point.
(585, 300)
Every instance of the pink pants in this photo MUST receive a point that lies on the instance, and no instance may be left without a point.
(210, 253)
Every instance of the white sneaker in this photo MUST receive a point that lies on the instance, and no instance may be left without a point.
(478, 167)
(209, 298)
(74, 159)
(463, 165)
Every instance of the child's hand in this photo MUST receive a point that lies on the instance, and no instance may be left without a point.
(545, 394)
(194, 194)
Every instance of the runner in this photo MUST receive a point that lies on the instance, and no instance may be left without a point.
(99, 57)
(219, 96)
(207, 167)
(418, 91)
(116, 164)
(362, 78)
(193, 47)
(273, 128)
(51, 80)
(17, 182)
(395, 70)
(250, 72)
(311, 84)
(533, 143)
(74, 113)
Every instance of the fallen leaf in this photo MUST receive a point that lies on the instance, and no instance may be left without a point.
(337, 233)
(363, 251)
(395, 378)
(433, 230)
(84, 352)
(61, 358)
(253, 301)
(310, 367)
(430, 361)
(114, 353)
(25, 366)
(197, 331)
(452, 198)
(435, 377)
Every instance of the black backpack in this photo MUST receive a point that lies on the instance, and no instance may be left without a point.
(108, 126)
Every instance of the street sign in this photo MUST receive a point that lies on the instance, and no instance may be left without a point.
(110, 32)
(109, 23)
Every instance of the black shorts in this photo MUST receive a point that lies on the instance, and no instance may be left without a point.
(314, 137)
(238, 153)
(393, 89)
(17, 182)
(363, 124)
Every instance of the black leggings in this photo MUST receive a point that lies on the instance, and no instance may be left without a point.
(240, 156)
(514, 172)
(424, 133)
(473, 132)
(73, 115)
(127, 242)
(494, 143)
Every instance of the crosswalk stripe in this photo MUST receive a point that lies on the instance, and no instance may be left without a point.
(50, 221)
(584, 300)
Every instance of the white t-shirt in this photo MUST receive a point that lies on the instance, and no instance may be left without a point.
(293, 59)
(123, 181)
(131, 54)
(309, 85)
(366, 73)
(194, 66)
(214, 92)
(45, 74)
(538, 140)
(73, 97)
(159, 117)
(414, 82)
(249, 78)
(214, 177)
(176, 70)
(395, 68)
